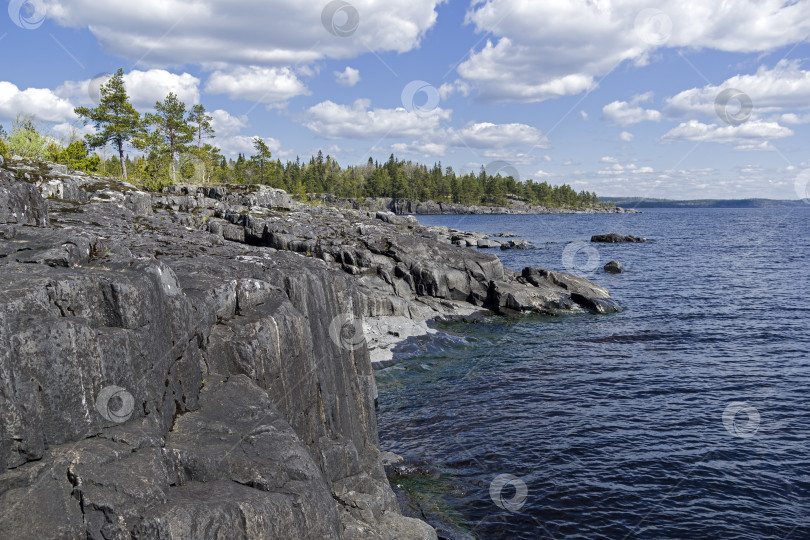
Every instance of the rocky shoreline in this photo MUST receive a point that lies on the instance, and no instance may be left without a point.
(409, 207)
(198, 363)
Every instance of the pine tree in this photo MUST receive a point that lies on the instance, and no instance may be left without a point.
(115, 119)
(200, 121)
(262, 157)
(170, 120)
(239, 170)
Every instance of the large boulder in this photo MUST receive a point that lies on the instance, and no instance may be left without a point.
(67, 189)
(393, 219)
(269, 198)
(447, 272)
(580, 291)
(21, 202)
(486, 243)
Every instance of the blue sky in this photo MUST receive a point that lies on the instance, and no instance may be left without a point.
(618, 97)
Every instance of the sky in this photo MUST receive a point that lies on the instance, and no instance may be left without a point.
(664, 99)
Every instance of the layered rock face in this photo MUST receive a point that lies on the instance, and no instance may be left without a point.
(193, 365)
(235, 414)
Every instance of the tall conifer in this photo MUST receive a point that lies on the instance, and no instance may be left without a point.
(115, 119)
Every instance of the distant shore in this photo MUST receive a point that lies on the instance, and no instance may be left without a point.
(424, 208)
(639, 202)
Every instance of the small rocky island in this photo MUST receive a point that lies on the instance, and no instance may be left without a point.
(198, 363)
(614, 238)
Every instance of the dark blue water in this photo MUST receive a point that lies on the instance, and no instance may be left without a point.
(687, 415)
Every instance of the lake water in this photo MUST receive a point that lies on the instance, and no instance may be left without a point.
(687, 415)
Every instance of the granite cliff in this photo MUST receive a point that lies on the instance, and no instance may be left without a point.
(196, 363)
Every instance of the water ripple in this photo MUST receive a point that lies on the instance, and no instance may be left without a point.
(633, 425)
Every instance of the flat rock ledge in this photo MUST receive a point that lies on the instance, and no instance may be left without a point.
(197, 363)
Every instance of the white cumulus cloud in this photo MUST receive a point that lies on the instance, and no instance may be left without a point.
(793, 118)
(144, 88)
(226, 124)
(486, 135)
(785, 88)
(546, 49)
(421, 148)
(751, 135)
(223, 32)
(64, 132)
(616, 168)
(41, 102)
(272, 86)
(628, 113)
(427, 133)
(147, 87)
(360, 121)
(348, 77)
(243, 144)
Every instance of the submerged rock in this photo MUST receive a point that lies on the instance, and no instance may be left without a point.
(614, 267)
(517, 244)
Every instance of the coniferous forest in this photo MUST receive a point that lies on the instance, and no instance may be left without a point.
(175, 144)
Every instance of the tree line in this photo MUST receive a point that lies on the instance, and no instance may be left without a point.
(175, 144)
